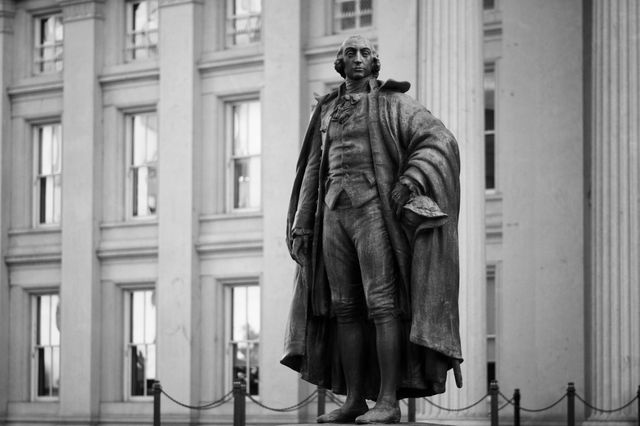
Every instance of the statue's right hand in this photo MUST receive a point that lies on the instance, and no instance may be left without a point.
(300, 249)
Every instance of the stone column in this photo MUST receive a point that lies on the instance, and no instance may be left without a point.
(6, 43)
(398, 54)
(81, 199)
(450, 85)
(614, 371)
(178, 170)
(282, 114)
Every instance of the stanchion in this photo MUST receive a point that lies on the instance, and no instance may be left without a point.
(516, 407)
(493, 391)
(157, 392)
(322, 400)
(571, 404)
(411, 410)
(239, 389)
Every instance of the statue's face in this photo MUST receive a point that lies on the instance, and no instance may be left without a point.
(358, 58)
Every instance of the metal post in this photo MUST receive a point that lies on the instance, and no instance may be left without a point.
(493, 391)
(239, 389)
(516, 407)
(411, 410)
(157, 391)
(322, 399)
(571, 404)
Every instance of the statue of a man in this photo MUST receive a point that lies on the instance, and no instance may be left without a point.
(372, 224)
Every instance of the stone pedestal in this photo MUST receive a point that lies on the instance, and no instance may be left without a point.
(450, 85)
(615, 209)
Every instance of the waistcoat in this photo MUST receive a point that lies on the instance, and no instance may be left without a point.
(350, 161)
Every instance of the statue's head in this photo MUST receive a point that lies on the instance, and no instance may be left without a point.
(357, 45)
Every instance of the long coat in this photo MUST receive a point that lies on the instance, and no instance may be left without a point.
(406, 141)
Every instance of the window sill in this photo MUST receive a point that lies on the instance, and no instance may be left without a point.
(147, 69)
(234, 56)
(41, 83)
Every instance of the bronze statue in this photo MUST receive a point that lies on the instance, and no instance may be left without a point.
(372, 223)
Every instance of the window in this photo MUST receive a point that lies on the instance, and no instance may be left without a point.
(244, 132)
(243, 22)
(488, 4)
(349, 15)
(142, 29)
(48, 44)
(46, 346)
(490, 126)
(492, 318)
(48, 169)
(243, 331)
(142, 130)
(140, 308)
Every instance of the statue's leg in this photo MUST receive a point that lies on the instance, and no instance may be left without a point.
(387, 408)
(351, 342)
(347, 299)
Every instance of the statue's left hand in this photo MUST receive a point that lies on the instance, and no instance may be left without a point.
(399, 197)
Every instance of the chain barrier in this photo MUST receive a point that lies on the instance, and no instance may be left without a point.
(602, 410)
(239, 394)
(468, 407)
(548, 407)
(215, 404)
(308, 400)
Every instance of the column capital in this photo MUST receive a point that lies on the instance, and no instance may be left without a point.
(7, 12)
(78, 10)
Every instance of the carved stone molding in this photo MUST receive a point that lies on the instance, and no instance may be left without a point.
(168, 3)
(7, 13)
(77, 10)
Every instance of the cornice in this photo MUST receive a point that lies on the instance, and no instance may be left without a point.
(78, 10)
(169, 3)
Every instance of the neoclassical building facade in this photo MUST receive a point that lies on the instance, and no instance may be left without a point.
(147, 151)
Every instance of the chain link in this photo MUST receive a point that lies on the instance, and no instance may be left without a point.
(458, 409)
(226, 398)
(308, 400)
(602, 410)
(539, 410)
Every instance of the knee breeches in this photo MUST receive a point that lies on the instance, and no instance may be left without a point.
(359, 261)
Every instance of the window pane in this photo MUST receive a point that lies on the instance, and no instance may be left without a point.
(239, 318)
(490, 158)
(43, 356)
(55, 373)
(55, 319)
(138, 366)
(150, 317)
(246, 128)
(246, 183)
(44, 320)
(150, 372)
(45, 145)
(253, 311)
(137, 317)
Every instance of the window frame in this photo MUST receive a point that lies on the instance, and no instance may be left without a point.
(129, 166)
(127, 292)
(228, 288)
(230, 33)
(152, 50)
(34, 371)
(230, 157)
(37, 59)
(36, 176)
(335, 27)
(491, 67)
(492, 273)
